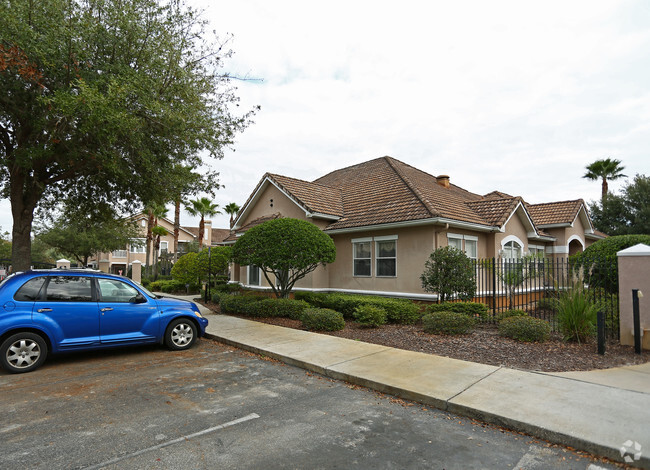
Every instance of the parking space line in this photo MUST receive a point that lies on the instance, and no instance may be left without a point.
(175, 441)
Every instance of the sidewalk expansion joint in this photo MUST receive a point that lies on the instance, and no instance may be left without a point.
(472, 384)
(357, 357)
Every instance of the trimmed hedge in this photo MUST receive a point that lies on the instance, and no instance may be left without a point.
(448, 323)
(397, 310)
(322, 319)
(524, 328)
(171, 286)
(370, 316)
(255, 306)
(509, 314)
(472, 309)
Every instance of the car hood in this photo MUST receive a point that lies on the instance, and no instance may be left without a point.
(170, 302)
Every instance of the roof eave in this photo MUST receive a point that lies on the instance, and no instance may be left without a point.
(415, 223)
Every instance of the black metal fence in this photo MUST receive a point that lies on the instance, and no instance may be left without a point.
(535, 284)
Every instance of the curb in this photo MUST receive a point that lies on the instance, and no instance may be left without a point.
(556, 437)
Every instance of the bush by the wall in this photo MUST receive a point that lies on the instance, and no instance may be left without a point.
(510, 313)
(576, 314)
(322, 319)
(287, 308)
(370, 316)
(472, 309)
(448, 323)
(240, 304)
(525, 328)
(397, 310)
(172, 287)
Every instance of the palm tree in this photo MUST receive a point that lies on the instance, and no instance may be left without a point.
(606, 169)
(202, 207)
(232, 209)
(157, 231)
(154, 211)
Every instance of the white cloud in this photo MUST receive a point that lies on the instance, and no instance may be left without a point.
(509, 95)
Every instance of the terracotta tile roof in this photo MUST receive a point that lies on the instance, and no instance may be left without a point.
(386, 190)
(495, 211)
(193, 230)
(219, 235)
(497, 195)
(552, 213)
(313, 196)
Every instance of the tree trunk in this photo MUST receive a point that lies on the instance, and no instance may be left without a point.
(177, 227)
(604, 191)
(24, 196)
(201, 230)
(149, 238)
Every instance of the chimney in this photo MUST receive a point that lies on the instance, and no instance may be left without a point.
(443, 180)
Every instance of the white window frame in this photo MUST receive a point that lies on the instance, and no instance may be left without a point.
(355, 242)
(136, 249)
(164, 246)
(463, 243)
(378, 240)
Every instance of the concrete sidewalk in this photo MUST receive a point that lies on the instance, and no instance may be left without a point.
(599, 411)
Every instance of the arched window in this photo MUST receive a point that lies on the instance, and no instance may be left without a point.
(511, 250)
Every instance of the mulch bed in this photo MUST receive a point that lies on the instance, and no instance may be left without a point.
(485, 346)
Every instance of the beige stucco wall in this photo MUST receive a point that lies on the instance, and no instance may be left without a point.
(634, 270)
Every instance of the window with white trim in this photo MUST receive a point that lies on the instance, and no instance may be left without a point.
(137, 245)
(164, 247)
(511, 250)
(362, 257)
(253, 275)
(468, 244)
(386, 256)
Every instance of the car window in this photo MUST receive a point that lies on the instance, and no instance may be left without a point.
(116, 291)
(30, 290)
(69, 289)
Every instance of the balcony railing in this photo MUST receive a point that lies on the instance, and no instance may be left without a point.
(119, 254)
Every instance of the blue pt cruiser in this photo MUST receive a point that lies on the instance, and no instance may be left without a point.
(54, 311)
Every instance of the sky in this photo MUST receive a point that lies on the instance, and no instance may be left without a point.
(515, 96)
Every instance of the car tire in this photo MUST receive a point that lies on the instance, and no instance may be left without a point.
(181, 334)
(23, 352)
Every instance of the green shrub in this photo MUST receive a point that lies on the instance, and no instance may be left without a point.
(288, 308)
(370, 316)
(525, 328)
(472, 309)
(172, 286)
(547, 303)
(509, 314)
(315, 299)
(322, 319)
(240, 304)
(216, 297)
(397, 310)
(576, 314)
(448, 323)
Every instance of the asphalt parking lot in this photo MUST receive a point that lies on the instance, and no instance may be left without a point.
(218, 407)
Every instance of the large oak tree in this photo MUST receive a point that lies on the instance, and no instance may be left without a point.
(102, 99)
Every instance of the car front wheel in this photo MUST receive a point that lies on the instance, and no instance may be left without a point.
(181, 334)
(23, 352)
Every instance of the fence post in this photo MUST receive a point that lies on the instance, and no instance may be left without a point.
(601, 332)
(494, 286)
(636, 319)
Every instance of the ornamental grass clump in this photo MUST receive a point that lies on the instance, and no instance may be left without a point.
(576, 314)
(322, 319)
(370, 316)
(525, 328)
(448, 323)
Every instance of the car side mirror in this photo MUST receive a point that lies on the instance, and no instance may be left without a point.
(139, 299)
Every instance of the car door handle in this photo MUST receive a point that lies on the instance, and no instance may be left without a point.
(41, 310)
(107, 309)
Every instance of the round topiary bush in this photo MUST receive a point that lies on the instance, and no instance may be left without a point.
(448, 323)
(370, 316)
(322, 319)
(528, 329)
(509, 314)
